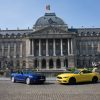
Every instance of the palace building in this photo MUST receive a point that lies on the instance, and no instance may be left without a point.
(50, 45)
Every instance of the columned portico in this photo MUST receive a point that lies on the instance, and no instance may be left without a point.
(32, 47)
(41, 43)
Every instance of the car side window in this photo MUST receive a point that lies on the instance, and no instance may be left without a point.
(86, 71)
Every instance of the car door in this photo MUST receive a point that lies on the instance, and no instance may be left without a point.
(20, 76)
(85, 76)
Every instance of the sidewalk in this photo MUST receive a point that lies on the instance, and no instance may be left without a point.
(4, 79)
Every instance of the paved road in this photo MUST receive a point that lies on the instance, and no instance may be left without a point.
(48, 91)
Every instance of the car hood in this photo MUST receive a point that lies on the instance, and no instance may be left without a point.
(66, 74)
(36, 74)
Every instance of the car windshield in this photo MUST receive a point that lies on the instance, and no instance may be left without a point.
(76, 71)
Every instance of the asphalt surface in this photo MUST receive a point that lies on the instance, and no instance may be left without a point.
(51, 90)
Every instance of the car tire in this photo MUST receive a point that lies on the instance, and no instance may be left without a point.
(13, 80)
(72, 81)
(95, 79)
(28, 81)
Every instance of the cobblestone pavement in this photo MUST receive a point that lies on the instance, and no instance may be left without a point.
(48, 91)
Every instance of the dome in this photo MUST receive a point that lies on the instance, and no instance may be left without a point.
(49, 19)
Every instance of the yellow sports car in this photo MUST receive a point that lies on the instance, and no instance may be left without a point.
(78, 76)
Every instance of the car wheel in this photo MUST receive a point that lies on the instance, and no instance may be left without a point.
(28, 81)
(13, 80)
(72, 81)
(95, 79)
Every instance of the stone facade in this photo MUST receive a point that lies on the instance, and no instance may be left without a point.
(50, 45)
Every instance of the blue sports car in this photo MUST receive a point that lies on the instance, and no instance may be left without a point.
(28, 77)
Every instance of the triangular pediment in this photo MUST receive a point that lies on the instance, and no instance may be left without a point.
(49, 30)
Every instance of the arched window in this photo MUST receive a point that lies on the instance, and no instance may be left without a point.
(36, 63)
(58, 63)
(78, 63)
(11, 63)
(66, 63)
(51, 63)
(17, 63)
(43, 63)
(24, 63)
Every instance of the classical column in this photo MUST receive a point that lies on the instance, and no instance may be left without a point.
(39, 47)
(8, 50)
(71, 46)
(20, 49)
(47, 47)
(27, 47)
(54, 47)
(33, 47)
(15, 50)
(68, 48)
(61, 48)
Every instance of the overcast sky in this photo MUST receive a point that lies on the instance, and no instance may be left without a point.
(24, 13)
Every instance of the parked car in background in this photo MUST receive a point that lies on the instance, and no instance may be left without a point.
(82, 75)
(27, 76)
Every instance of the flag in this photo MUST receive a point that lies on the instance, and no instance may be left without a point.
(47, 7)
